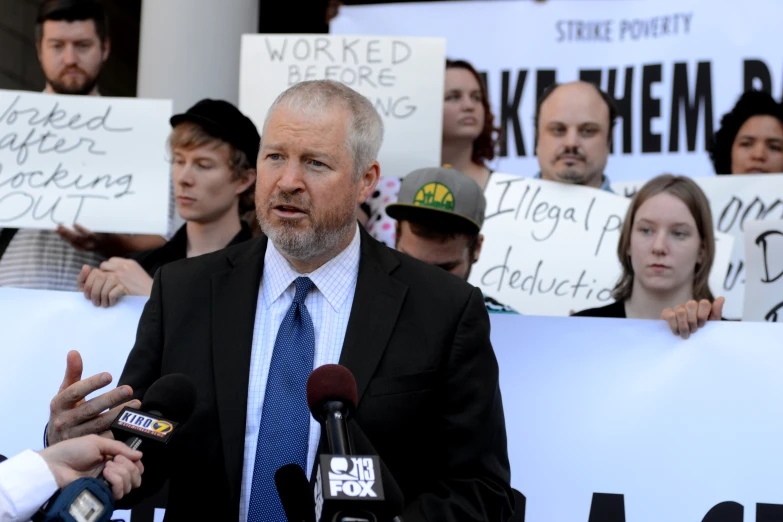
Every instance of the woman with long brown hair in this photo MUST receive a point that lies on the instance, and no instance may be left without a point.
(469, 140)
(666, 249)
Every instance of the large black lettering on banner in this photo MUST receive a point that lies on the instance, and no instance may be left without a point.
(610, 507)
(691, 103)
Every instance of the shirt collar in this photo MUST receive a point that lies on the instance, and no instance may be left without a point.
(606, 185)
(335, 279)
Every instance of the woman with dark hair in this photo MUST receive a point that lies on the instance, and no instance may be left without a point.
(469, 134)
(750, 138)
(469, 139)
(666, 249)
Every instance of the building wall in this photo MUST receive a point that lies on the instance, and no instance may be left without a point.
(19, 63)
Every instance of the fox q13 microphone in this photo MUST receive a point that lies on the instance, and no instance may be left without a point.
(347, 487)
(167, 404)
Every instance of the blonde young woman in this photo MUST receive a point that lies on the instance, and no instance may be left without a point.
(666, 249)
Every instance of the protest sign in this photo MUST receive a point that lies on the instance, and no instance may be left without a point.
(735, 201)
(402, 77)
(764, 271)
(100, 162)
(551, 248)
(674, 66)
(619, 420)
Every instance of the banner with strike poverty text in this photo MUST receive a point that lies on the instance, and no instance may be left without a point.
(735, 201)
(389, 71)
(612, 420)
(551, 248)
(674, 66)
(764, 269)
(96, 161)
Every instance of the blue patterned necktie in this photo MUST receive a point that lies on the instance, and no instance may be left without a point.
(285, 419)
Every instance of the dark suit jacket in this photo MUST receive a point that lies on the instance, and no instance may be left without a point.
(417, 343)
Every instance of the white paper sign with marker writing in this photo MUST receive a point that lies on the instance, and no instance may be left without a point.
(551, 248)
(402, 77)
(764, 271)
(97, 161)
(735, 201)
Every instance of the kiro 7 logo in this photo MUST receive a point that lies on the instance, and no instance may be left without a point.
(352, 476)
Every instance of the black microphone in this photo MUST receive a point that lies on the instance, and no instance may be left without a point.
(166, 404)
(347, 485)
(295, 493)
(332, 398)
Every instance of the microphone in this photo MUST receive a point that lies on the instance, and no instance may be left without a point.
(332, 398)
(347, 486)
(295, 493)
(167, 404)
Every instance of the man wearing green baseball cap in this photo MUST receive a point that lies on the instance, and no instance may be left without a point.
(439, 213)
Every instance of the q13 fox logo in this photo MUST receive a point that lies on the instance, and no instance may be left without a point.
(352, 477)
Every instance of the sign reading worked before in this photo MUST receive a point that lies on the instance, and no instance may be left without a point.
(551, 248)
(402, 77)
(100, 162)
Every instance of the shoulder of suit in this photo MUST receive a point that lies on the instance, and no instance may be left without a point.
(210, 263)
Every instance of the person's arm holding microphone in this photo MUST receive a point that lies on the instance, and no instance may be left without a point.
(29, 479)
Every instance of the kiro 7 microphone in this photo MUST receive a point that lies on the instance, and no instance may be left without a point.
(347, 486)
(167, 404)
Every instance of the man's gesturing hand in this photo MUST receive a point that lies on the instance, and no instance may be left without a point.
(70, 415)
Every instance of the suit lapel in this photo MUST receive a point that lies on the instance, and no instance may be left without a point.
(234, 300)
(376, 305)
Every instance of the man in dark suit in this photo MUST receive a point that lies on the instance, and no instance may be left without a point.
(249, 323)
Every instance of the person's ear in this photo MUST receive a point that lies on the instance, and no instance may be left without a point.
(246, 180)
(477, 251)
(368, 180)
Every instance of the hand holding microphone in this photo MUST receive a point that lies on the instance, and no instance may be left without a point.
(167, 404)
(86, 456)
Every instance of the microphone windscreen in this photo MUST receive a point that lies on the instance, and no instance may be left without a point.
(173, 395)
(295, 492)
(331, 382)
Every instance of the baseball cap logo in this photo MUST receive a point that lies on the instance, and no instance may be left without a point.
(435, 195)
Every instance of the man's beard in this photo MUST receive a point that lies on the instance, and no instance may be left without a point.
(80, 89)
(323, 236)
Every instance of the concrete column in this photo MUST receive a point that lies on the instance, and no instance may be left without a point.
(189, 49)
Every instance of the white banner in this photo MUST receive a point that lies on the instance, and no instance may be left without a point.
(100, 162)
(675, 66)
(551, 248)
(39, 328)
(592, 406)
(388, 71)
(735, 201)
(613, 420)
(764, 257)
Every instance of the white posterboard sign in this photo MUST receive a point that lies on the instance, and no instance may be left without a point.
(96, 161)
(617, 419)
(551, 248)
(402, 77)
(735, 201)
(764, 271)
(674, 66)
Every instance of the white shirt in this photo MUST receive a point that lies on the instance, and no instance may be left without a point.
(329, 304)
(25, 484)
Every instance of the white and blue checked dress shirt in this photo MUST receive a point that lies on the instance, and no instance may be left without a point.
(329, 305)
